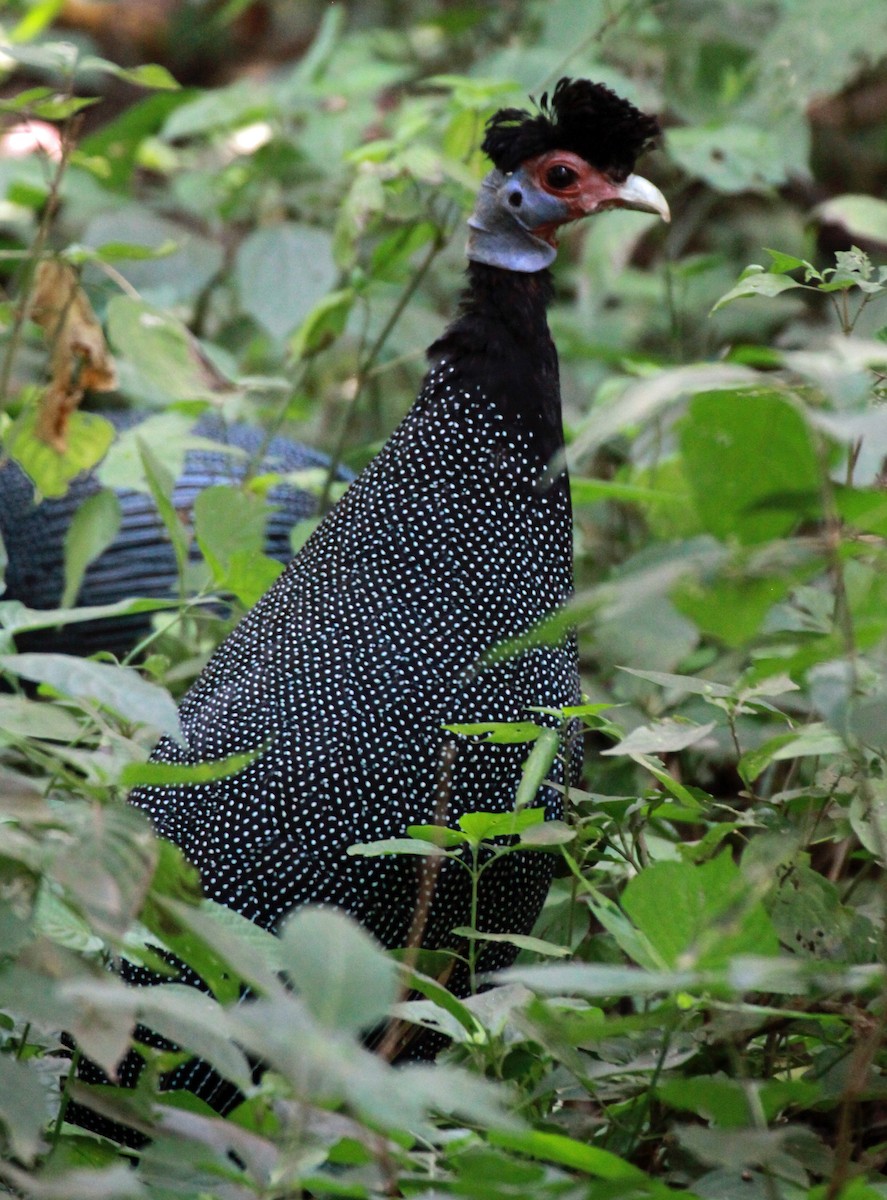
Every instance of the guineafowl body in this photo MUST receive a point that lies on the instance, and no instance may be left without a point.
(456, 539)
(140, 561)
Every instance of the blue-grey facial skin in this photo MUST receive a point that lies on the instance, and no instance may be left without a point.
(508, 208)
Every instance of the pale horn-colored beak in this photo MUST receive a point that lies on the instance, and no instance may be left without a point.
(639, 193)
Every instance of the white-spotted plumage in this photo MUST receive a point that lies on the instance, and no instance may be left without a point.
(455, 541)
(344, 675)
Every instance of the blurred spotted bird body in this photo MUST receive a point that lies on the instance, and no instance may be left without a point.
(140, 561)
(457, 538)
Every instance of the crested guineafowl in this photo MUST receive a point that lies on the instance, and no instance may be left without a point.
(456, 539)
(140, 561)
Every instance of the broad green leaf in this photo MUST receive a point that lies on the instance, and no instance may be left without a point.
(780, 262)
(712, 912)
(862, 216)
(548, 833)
(868, 817)
(714, 1097)
(681, 683)
(730, 157)
(811, 920)
(16, 617)
(163, 358)
(21, 717)
(481, 826)
(282, 272)
(187, 1017)
(121, 689)
(93, 528)
(161, 483)
(733, 605)
(633, 941)
(107, 871)
(661, 737)
(865, 509)
(34, 20)
(252, 952)
(88, 438)
(163, 279)
(23, 1104)
(325, 953)
(751, 464)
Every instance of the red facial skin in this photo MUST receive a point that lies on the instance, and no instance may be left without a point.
(587, 191)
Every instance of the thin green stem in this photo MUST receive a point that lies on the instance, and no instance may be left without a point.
(369, 361)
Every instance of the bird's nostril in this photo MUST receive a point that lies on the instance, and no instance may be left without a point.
(515, 199)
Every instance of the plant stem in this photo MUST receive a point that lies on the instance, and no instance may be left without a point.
(369, 361)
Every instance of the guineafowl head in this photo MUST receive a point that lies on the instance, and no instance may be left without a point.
(572, 158)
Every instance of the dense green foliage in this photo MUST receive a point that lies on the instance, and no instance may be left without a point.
(703, 1006)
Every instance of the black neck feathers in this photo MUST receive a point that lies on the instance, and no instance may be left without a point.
(501, 349)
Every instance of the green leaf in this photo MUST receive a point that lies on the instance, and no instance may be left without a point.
(681, 683)
(713, 1097)
(548, 833)
(634, 942)
(482, 826)
(149, 75)
(23, 1104)
(811, 920)
(283, 271)
(577, 1156)
(438, 835)
(712, 912)
(159, 350)
(733, 605)
(106, 872)
(228, 521)
(660, 737)
(36, 18)
(326, 952)
(161, 483)
(323, 325)
(755, 281)
(88, 438)
(121, 689)
(395, 846)
(21, 717)
(730, 157)
(782, 262)
(535, 770)
(862, 216)
(503, 732)
(93, 528)
(751, 464)
(160, 774)
(536, 945)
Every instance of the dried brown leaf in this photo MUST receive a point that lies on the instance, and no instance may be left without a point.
(79, 357)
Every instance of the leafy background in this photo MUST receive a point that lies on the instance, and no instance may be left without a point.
(267, 222)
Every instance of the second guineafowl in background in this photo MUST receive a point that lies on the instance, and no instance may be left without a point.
(140, 561)
(456, 538)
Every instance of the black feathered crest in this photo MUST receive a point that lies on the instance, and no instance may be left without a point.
(585, 118)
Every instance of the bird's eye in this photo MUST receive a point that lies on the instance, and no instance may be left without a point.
(560, 176)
